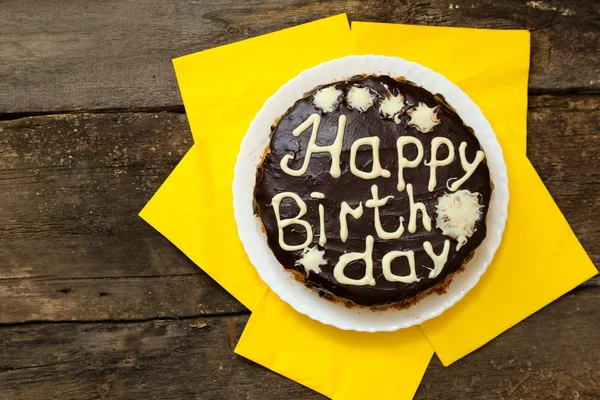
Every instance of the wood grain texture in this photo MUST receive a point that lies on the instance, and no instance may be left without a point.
(114, 299)
(73, 247)
(62, 55)
(72, 186)
(564, 147)
(72, 243)
(193, 358)
(94, 304)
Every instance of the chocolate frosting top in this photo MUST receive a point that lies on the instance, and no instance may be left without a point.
(271, 180)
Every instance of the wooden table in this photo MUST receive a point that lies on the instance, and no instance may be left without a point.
(96, 304)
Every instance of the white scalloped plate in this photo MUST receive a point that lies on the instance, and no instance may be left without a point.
(307, 301)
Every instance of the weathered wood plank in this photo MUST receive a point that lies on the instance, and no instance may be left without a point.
(132, 298)
(72, 186)
(549, 355)
(70, 197)
(117, 54)
(566, 155)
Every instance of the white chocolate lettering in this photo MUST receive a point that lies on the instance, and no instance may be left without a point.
(434, 163)
(405, 163)
(356, 213)
(282, 223)
(334, 149)
(377, 170)
(386, 263)
(375, 203)
(317, 195)
(345, 259)
(414, 207)
(468, 167)
(439, 261)
(322, 236)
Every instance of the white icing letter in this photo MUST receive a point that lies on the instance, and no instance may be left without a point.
(282, 223)
(377, 170)
(375, 203)
(438, 261)
(386, 263)
(434, 163)
(317, 195)
(405, 163)
(467, 166)
(414, 207)
(345, 259)
(356, 214)
(322, 236)
(334, 149)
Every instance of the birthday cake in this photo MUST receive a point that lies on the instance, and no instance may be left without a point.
(373, 191)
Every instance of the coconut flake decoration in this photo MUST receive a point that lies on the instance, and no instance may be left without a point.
(391, 106)
(361, 98)
(423, 118)
(312, 259)
(327, 99)
(457, 213)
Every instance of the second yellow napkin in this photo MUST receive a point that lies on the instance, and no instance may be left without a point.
(539, 260)
(193, 209)
(222, 90)
(490, 65)
(530, 269)
(339, 364)
(321, 357)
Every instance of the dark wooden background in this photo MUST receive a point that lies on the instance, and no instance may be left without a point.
(95, 304)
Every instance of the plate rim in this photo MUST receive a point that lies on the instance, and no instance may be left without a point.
(251, 237)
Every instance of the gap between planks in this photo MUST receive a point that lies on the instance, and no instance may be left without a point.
(180, 109)
(126, 321)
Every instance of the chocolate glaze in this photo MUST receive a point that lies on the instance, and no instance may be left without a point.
(271, 180)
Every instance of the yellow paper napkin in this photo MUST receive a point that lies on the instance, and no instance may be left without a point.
(203, 227)
(490, 65)
(228, 85)
(180, 210)
(321, 357)
(238, 78)
(338, 364)
(540, 258)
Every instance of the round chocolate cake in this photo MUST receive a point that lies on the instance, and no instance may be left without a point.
(373, 191)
